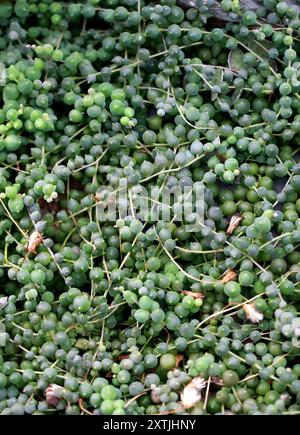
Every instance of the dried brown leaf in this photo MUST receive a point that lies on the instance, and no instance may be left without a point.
(217, 381)
(179, 358)
(252, 313)
(194, 294)
(34, 241)
(234, 222)
(230, 275)
(97, 196)
(53, 393)
(191, 393)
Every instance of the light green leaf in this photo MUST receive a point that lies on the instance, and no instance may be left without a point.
(16, 205)
(236, 60)
(218, 76)
(260, 48)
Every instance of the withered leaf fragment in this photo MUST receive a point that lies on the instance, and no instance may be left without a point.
(252, 313)
(179, 358)
(217, 381)
(34, 241)
(193, 294)
(230, 275)
(191, 393)
(234, 222)
(53, 394)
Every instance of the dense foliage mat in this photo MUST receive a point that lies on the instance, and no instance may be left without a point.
(135, 314)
